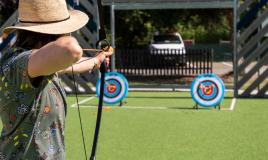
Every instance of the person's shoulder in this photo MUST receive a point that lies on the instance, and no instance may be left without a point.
(13, 52)
(12, 58)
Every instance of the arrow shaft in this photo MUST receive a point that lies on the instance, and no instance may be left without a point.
(92, 50)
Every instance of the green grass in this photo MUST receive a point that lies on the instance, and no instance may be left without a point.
(175, 133)
(178, 132)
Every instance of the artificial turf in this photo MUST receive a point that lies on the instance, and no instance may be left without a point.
(163, 126)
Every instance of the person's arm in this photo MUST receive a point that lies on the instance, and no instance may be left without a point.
(88, 63)
(83, 65)
(54, 56)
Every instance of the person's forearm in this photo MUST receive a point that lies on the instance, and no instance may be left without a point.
(85, 64)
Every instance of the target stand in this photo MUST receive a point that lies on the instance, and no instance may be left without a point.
(207, 90)
(196, 106)
(115, 88)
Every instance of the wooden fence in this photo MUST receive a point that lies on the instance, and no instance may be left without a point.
(251, 56)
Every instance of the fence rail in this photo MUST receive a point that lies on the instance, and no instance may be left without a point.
(135, 63)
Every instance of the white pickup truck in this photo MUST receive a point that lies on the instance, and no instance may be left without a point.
(171, 42)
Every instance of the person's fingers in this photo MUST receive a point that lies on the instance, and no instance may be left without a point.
(107, 61)
(109, 52)
(111, 49)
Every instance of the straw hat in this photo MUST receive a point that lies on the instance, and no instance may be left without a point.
(48, 17)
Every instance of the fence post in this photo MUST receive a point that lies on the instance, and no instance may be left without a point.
(211, 60)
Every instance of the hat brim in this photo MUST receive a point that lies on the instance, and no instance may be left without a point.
(76, 21)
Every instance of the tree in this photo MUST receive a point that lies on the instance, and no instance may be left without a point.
(134, 28)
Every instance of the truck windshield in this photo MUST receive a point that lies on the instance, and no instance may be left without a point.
(167, 39)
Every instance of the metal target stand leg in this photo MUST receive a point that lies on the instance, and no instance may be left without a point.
(218, 106)
(121, 104)
(196, 106)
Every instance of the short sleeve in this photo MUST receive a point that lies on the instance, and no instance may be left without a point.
(15, 70)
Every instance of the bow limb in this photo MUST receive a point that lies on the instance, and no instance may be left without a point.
(102, 36)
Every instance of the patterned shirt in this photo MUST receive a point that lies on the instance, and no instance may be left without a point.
(32, 115)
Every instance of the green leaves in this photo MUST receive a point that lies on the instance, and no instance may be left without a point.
(135, 27)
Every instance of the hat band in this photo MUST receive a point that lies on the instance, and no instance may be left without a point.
(44, 22)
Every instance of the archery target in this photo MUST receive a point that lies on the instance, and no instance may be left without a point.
(115, 88)
(207, 90)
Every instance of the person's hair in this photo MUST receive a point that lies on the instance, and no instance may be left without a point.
(32, 40)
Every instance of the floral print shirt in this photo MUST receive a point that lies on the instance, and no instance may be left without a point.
(32, 115)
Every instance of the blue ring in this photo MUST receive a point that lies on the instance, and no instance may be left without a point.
(125, 84)
(212, 76)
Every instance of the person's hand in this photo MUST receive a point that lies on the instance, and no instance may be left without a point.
(107, 61)
(104, 56)
(109, 52)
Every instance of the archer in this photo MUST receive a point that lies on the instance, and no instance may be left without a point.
(32, 101)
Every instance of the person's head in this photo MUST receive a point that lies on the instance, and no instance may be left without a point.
(42, 21)
(33, 40)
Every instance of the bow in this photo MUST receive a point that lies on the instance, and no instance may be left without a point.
(102, 38)
(103, 45)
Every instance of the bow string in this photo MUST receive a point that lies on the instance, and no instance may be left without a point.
(102, 45)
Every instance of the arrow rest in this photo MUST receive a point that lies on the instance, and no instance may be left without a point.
(104, 45)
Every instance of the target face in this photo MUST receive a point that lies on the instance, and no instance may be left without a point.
(115, 88)
(207, 90)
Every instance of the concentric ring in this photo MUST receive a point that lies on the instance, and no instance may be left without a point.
(207, 90)
(115, 88)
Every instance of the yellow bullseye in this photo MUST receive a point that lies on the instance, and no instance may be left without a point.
(111, 88)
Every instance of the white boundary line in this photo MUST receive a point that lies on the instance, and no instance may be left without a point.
(147, 108)
(83, 101)
(232, 106)
(130, 107)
